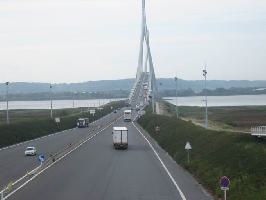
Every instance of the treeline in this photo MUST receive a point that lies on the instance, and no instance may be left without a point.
(67, 95)
(124, 94)
(216, 92)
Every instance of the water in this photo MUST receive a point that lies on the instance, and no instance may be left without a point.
(214, 101)
(57, 104)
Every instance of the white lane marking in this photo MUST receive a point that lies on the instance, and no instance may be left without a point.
(43, 170)
(165, 168)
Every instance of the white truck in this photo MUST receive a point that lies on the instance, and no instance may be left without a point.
(83, 122)
(127, 115)
(120, 137)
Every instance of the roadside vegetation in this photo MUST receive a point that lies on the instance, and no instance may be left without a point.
(238, 156)
(236, 118)
(29, 124)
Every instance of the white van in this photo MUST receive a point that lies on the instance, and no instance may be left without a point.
(120, 137)
(127, 115)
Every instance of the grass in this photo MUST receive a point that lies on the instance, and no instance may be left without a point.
(240, 118)
(29, 124)
(214, 154)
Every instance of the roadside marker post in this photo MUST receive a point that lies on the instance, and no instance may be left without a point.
(188, 147)
(224, 182)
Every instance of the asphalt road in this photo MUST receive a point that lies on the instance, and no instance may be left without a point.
(97, 171)
(14, 164)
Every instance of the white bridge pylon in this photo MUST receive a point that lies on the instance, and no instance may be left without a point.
(145, 70)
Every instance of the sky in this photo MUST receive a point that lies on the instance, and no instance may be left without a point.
(80, 40)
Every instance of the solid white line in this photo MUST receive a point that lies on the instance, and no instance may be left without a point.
(165, 168)
(17, 189)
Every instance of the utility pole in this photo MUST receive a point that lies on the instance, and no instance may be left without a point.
(51, 99)
(206, 100)
(73, 100)
(7, 109)
(176, 98)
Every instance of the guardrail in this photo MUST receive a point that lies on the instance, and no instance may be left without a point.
(259, 131)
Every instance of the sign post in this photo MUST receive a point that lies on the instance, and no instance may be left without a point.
(157, 129)
(57, 121)
(92, 111)
(224, 182)
(188, 147)
(41, 158)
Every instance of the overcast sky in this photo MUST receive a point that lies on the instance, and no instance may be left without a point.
(81, 40)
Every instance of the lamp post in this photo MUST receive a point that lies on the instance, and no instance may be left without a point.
(51, 100)
(176, 85)
(7, 109)
(206, 100)
(73, 100)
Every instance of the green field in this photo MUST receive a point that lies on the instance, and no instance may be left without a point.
(237, 118)
(215, 153)
(29, 124)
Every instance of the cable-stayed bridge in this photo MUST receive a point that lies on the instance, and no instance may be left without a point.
(88, 167)
(145, 85)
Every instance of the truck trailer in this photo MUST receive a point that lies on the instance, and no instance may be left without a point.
(120, 137)
(82, 122)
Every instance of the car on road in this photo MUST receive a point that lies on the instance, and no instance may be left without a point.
(30, 151)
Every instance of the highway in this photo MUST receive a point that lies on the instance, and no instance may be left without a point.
(97, 171)
(14, 164)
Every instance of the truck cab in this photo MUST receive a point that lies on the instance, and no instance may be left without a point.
(127, 115)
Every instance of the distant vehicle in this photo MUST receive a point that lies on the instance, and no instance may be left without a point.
(127, 115)
(30, 151)
(137, 107)
(120, 137)
(145, 86)
(83, 122)
(115, 111)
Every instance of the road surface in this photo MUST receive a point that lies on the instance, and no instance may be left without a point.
(13, 163)
(97, 171)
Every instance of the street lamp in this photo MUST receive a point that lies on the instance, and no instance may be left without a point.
(176, 85)
(51, 100)
(73, 100)
(7, 110)
(206, 100)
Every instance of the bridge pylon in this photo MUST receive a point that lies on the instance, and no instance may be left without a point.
(145, 77)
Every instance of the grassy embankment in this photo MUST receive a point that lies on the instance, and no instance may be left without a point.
(29, 124)
(214, 154)
(237, 118)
